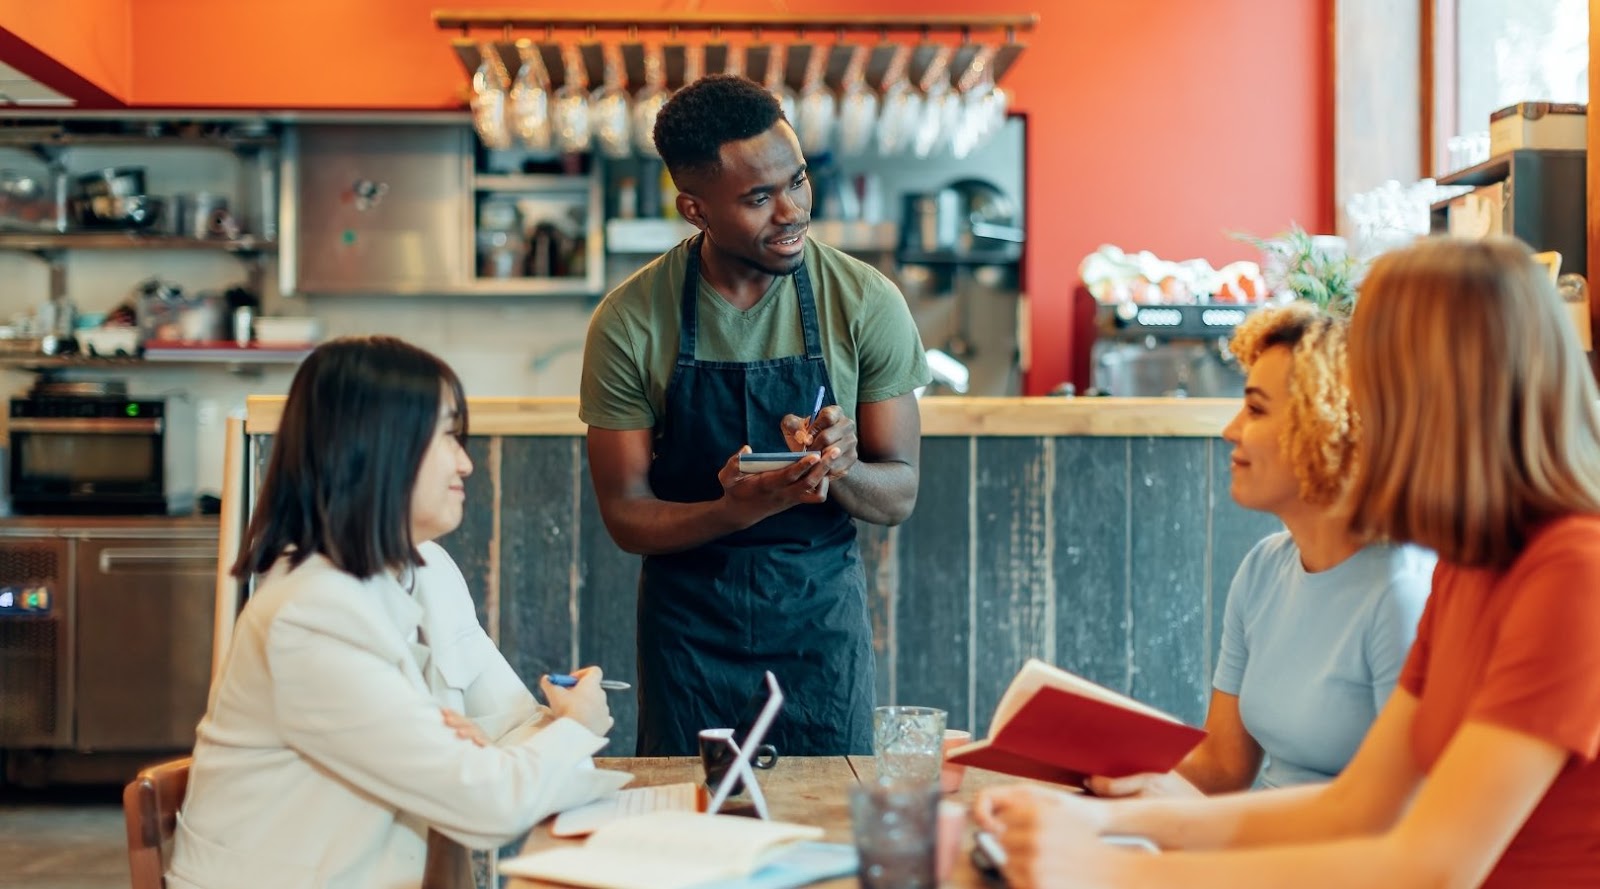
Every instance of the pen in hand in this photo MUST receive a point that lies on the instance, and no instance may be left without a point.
(567, 680)
(811, 423)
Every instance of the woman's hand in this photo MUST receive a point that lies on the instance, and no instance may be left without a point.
(584, 703)
(1153, 785)
(1051, 839)
(465, 728)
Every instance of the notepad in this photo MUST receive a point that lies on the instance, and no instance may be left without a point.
(584, 820)
(673, 850)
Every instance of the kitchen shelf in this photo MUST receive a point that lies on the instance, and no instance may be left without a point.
(24, 137)
(974, 257)
(125, 240)
(650, 236)
(527, 286)
(540, 182)
(78, 362)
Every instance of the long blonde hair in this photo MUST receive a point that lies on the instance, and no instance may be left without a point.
(1477, 403)
(1320, 435)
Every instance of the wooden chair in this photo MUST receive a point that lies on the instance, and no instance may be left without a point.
(150, 806)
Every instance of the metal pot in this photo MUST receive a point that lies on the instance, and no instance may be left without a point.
(119, 182)
(197, 214)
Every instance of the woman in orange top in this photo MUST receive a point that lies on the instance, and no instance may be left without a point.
(1481, 441)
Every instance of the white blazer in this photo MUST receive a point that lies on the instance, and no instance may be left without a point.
(323, 758)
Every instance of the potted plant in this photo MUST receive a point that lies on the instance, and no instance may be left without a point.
(1316, 268)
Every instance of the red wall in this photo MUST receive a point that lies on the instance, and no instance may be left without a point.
(1153, 124)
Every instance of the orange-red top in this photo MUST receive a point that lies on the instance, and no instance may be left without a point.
(1520, 649)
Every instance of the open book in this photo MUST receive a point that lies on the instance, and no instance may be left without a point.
(675, 850)
(1055, 726)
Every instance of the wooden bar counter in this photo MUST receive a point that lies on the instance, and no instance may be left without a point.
(1095, 533)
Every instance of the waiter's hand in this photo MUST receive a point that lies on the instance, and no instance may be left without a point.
(832, 431)
(769, 493)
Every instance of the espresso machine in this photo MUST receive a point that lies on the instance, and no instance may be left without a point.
(1156, 350)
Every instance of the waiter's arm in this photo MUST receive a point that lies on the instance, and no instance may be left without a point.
(881, 486)
(641, 523)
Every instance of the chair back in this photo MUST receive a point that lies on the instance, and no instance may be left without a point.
(150, 805)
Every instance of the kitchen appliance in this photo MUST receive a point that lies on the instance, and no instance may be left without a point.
(89, 449)
(1167, 350)
(105, 637)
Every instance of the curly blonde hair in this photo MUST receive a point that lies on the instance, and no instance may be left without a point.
(1319, 440)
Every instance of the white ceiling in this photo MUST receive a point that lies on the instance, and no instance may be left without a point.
(18, 89)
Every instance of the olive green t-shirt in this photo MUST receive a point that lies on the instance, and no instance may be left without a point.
(870, 342)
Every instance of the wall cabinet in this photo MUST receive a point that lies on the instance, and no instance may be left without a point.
(401, 209)
(376, 209)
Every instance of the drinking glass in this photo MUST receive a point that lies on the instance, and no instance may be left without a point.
(908, 742)
(895, 824)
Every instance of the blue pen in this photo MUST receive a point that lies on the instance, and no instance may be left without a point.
(818, 409)
(567, 680)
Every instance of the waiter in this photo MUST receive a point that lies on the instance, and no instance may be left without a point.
(721, 345)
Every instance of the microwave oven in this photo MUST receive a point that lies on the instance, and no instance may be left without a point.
(101, 455)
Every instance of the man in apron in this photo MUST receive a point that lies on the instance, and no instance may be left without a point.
(718, 346)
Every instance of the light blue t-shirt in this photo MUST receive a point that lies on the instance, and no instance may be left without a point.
(1313, 657)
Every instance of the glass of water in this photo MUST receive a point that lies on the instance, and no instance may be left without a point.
(895, 824)
(908, 742)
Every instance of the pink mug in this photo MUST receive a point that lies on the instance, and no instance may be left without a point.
(952, 826)
(951, 774)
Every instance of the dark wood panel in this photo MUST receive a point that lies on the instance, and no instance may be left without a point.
(933, 614)
(1090, 504)
(608, 590)
(1234, 530)
(1167, 573)
(539, 483)
(471, 544)
(878, 544)
(1014, 619)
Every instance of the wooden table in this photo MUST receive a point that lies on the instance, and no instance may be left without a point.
(802, 789)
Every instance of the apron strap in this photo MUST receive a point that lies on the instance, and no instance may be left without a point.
(689, 301)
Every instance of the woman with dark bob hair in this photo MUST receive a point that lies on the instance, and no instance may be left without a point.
(361, 704)
(1480, 440)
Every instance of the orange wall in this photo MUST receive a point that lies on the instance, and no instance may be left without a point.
(79, 47)
(1153, 124)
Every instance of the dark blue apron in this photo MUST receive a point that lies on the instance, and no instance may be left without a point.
(787, 594)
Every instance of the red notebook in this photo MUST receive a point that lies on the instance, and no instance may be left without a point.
(1054, 726)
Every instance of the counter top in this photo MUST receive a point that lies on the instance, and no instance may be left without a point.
(187, 527)
(950, 417)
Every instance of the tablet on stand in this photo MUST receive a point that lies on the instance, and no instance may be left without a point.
(744, 750)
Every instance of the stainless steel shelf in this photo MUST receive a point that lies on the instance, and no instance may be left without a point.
(245, 358)
(126, 240)
(29, 137)
(531, 182)
(571, 286)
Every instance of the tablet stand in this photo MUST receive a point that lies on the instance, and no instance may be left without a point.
(748, 774)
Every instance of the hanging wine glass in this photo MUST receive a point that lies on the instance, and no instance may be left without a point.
(611, 108)
(489, 100)
(569, 117)
(941, 107)
(816, 107)
(977, 91)
(858, 106)
(901, 106)
(735, 63)
(530, 100)
(777, 63)
(649, 101)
